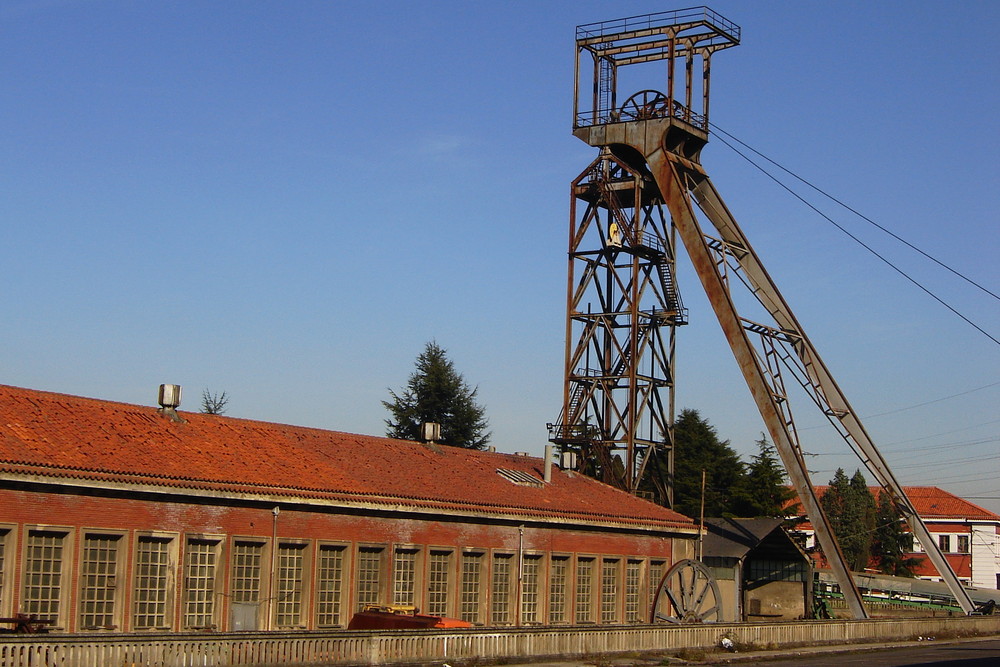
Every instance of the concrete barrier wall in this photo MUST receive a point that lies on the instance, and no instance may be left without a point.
(430, 646)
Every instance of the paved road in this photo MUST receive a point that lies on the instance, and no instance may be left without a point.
(964, 653)
(979, 653)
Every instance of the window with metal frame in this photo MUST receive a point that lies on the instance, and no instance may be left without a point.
(43, 574)
(472, 567)
(3, 569)
(501, 589)
(245, 585)
(329, 585)
(98, 581)
(438, 582)
(290, 584)
(762, 570)
(200, 568)
(531, 569)
(609, 590)
(657, 568)
(585, 590)
(369, 575)
(633, 579)
(558, 572)
(404, 577)
(152, 577)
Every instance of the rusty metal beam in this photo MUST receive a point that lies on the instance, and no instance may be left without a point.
(673, 180)
(825, 389)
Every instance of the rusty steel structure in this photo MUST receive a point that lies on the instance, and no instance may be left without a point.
(625, 307)
(646, 188)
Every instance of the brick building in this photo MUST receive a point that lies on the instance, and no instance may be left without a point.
(137, 519)
(967, 534)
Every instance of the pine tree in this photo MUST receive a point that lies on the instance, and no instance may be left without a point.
(437, 393)
(850, 508)
(697, 447)
(862, 538)
(213, 404)
(892, 541)
(764, 490)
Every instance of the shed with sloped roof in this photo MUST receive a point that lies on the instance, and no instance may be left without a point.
(762, 573)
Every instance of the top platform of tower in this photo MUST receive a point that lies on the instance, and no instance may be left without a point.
(681, 38)
(646, 38)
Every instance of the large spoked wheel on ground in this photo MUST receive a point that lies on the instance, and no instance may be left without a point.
(645, 104)
(687, 594)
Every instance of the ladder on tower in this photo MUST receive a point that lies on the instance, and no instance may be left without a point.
(606, 88)
(675, 310)
(571, 429)
(623, 359)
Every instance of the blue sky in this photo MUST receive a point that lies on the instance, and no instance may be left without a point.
(286, 200)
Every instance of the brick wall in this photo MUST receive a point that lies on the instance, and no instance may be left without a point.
(130, 519)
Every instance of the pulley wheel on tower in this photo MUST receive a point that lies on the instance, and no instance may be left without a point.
(644, 105)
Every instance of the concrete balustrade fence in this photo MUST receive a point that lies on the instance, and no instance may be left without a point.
(438, 646)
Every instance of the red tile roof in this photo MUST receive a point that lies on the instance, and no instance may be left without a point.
(931, 503)
(934, 503)
(94, 441)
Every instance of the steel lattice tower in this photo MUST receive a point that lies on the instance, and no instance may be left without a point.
(623, 308)
(646, 188)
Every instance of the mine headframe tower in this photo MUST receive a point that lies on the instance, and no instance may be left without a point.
(628, 207)
(622, 311)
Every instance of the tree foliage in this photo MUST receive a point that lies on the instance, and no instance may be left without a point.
(697, 447)
(850, 508)
(763, 491)
(733, 488)
(213, 404)
(436, 392)
(891, 542)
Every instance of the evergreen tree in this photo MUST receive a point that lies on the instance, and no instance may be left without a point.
(763, 490)
(850, 508)
(437, 393)
(213, 404)
(864, 501)
(892, 541)
(697, 447)
(834, 502)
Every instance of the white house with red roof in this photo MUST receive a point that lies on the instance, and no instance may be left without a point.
(967, 534)
(129, 518)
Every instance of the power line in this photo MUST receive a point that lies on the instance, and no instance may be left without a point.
(857, 213)
(862, 243)
(958, 479)
(946, 464)
(890, 446)
(936, 400)
(887, 447)
(920, 405)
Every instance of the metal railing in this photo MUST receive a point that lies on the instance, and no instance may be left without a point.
(660, 20)
(291, 649)
(614, 115)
